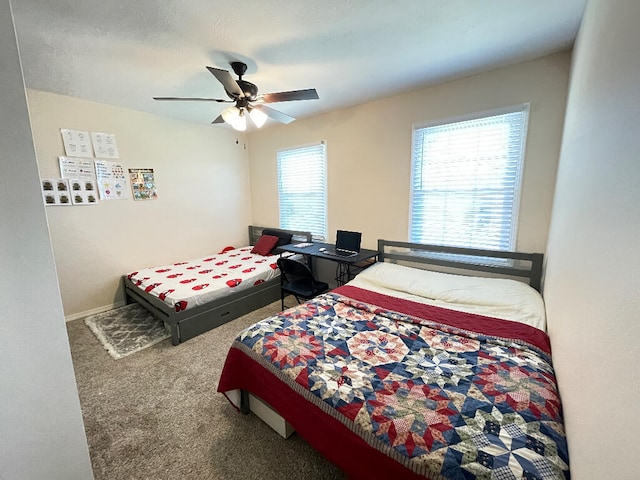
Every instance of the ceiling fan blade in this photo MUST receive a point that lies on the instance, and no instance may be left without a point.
(276, 115)
(194, 99)
(218, 119)
(308, 94)
(227, 81)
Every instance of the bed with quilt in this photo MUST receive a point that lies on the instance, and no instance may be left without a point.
(411, 373)
(196, 295)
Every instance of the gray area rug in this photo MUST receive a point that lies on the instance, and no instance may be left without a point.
(127, 330)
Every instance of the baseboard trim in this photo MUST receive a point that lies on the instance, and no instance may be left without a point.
(94, 311)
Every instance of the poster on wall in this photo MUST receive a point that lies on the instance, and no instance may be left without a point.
(143, 184)
(55, 191)
(104, 144)
(77, 143)
(112, 181)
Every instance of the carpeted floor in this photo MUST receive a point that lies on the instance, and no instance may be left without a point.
(156, 415)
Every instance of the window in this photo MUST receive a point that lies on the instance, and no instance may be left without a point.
(302, 189)
(465, 183)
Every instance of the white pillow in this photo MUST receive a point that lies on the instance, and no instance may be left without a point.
(498, 297)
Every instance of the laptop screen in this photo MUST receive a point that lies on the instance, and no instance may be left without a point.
(348, 240)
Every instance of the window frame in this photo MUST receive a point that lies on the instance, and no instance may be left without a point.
(322, 218)
(525, 109)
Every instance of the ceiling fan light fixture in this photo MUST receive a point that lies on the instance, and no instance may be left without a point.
(235, 117)
(241, 122)
(258, 117)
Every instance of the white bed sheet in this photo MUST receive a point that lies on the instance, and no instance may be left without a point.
(493, 297)
(184, 285)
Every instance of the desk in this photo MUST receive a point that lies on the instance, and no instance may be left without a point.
(348, 267)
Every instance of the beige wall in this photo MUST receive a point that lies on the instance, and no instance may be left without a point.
(369, 150)
(592, 285)
(202, 177)
(206, 200)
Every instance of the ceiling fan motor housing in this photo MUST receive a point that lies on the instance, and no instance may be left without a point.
(249, 89)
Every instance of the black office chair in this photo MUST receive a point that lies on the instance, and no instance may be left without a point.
(297, 279)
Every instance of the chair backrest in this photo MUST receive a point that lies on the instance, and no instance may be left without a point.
(292, 269)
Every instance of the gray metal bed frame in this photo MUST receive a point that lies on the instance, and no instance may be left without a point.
(194, 321)
(528, 265)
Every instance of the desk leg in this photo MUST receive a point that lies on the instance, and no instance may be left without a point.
(344, 273)
(348, 271)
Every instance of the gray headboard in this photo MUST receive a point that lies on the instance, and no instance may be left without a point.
(527, 265)
(297, 236)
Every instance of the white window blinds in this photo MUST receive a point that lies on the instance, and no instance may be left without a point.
(465, 184)
(302, 189)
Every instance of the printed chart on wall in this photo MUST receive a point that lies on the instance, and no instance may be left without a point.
(112, 181)
(77, 143)
(104, 144)
(82, 181)
(143, 184)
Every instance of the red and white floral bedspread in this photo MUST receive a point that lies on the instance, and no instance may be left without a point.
(184, 285)
(388, 388)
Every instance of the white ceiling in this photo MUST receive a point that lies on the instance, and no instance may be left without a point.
(351, 51)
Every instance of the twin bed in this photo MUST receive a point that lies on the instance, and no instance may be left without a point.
(194, 296)
(410, 373)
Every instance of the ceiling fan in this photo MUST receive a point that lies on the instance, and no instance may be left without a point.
(247, 100)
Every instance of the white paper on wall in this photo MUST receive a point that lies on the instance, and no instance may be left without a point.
(76, 168)
(77, 143)
(55, 191)
(84, 191)
(104, 144)
(112, 181)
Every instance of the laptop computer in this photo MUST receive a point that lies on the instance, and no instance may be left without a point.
(347, 244)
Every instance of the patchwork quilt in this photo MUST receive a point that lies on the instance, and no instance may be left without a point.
(439, 393)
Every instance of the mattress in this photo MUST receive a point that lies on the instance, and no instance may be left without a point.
(184, 285)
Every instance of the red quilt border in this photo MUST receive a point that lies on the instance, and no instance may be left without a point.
(505, 329)
(332, 439)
